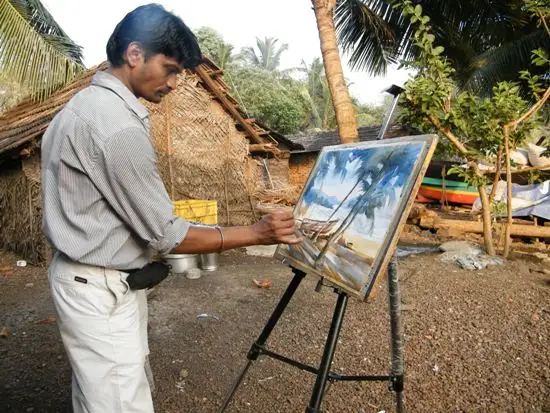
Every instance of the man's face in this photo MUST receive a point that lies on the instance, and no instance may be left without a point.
(155, 77)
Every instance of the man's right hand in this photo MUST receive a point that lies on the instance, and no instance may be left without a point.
(277, 227)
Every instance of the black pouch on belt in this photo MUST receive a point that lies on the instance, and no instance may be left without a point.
(148, 276)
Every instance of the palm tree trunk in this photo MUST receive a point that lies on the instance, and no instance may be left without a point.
(353, 213)
(497, 174)
(373, 185)
(345, 114)
(345, 224)
(339, 206)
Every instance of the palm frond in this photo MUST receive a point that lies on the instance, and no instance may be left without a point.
(375, 33)
(66, 47)
(369, 31)
(275, 56)
(29, 59)
(267, 56)
(34, 12)
(249, 54)
(504, 62)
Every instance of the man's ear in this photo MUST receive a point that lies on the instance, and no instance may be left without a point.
(134, 54)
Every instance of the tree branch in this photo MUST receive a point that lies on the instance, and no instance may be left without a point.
(448, 134)
(514, 123)
(543, 20)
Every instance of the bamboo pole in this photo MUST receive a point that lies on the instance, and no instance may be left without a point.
(227, 151)
(497, 174)
(518, 230)
(508, 192)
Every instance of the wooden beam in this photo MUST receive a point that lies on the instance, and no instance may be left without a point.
(434, 222)
(266, 147)
(215, 90)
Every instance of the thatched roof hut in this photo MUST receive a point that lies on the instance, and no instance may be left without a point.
(303, 159)
(207, 149)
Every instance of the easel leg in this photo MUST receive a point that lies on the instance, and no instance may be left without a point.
(254, 351)
(394, 298)
(328, 354)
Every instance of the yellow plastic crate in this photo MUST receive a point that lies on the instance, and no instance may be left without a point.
(197, 210)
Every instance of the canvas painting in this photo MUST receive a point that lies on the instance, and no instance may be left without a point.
(352, 207)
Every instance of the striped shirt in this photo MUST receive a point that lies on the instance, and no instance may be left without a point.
(104, 202)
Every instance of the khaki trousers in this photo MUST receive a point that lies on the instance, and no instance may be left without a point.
(103, 325)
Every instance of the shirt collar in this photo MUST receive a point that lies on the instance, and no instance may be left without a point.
(111, 82)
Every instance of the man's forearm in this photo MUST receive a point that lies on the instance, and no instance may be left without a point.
(200, 240)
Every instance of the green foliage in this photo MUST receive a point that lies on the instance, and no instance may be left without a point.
(272, 98)
(213, 46)
(267, 54)
(367, 31)
(316, 93)
(498, 209)
(288, 101)
(209, 40)
(486, 41)
(468, 175)
(534, 177)
(371, 115)
(476, 122)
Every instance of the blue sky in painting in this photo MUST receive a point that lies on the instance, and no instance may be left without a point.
(338, 174)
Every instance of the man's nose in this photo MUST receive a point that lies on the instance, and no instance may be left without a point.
(171, 83)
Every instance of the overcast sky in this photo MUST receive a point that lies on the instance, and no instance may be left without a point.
(238, 21)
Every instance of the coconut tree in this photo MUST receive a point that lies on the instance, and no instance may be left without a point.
(267, 55)
(333, 163)
(213, 45)
(486, 41)
(341, 100)
(317, 93)
(34, 51)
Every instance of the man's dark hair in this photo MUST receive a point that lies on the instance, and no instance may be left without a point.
(158, 31)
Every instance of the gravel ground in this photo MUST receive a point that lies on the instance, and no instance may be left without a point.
(475, 341)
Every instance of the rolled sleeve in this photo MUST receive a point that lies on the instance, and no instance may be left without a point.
(174, 234)
(126, 173)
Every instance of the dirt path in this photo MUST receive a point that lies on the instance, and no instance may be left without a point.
(475, 341)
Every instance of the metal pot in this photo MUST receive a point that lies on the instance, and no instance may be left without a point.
(209, 262)
(182, 263)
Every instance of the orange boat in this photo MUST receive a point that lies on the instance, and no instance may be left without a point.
(455, 192)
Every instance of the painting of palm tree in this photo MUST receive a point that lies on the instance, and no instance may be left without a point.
(351, 207)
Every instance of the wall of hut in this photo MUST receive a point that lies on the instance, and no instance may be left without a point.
(21, 210)
(202, 155)
(276, 170)
(300, 165)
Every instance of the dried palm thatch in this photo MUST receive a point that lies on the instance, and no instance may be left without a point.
(21, 217)
(282, 194)
(201, 153)
(29, 120)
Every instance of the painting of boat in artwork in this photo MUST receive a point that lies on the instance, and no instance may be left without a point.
(352, 207)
